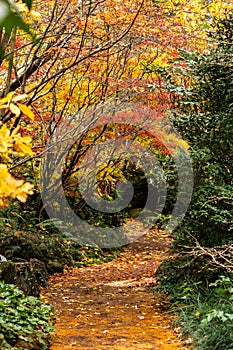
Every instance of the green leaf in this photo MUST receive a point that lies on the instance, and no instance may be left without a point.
(10, 18)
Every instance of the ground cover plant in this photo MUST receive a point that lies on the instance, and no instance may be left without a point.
(25, 322)
(207, 314)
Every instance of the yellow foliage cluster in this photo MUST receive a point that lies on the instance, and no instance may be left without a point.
(22, 8)
(195, 16)
(161, 28)
(12, 144)
(12, 103)
(120, 68)
(12, 188)
(110, 173)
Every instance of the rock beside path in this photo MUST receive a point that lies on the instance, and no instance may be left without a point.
(28, 276)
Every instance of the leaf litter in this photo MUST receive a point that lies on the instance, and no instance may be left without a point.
(110, 306)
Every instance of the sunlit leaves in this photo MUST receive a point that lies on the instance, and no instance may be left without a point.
(12, 144)
(195, 17)
(11, 102)
(12, 188)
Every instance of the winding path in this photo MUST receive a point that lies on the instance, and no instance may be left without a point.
(109, 306)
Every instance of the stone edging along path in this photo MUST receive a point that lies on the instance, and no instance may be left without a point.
(110, 306)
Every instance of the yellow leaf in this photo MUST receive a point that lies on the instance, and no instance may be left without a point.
(22, 8)
(26, 110)
(36, 15)
(23, 191)
(14, 109)
(19, 97)
(7, 98)
(23, 148)
(4, 131)
(12, 188)
(3, 171)
(14, 132)
(3, 106)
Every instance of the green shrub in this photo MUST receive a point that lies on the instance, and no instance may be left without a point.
(25, 323)
(203, 116)
(207, 315)
(209, 217)
(203, 242)
(23, 236)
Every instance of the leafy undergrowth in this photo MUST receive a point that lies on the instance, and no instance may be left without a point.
(110, 305)
(25, 323)
(204, 306)
(206, 313)
(25, 237)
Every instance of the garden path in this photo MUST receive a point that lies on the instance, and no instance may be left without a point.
(110, 306)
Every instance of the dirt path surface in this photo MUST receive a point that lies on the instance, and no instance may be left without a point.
(109, 306)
